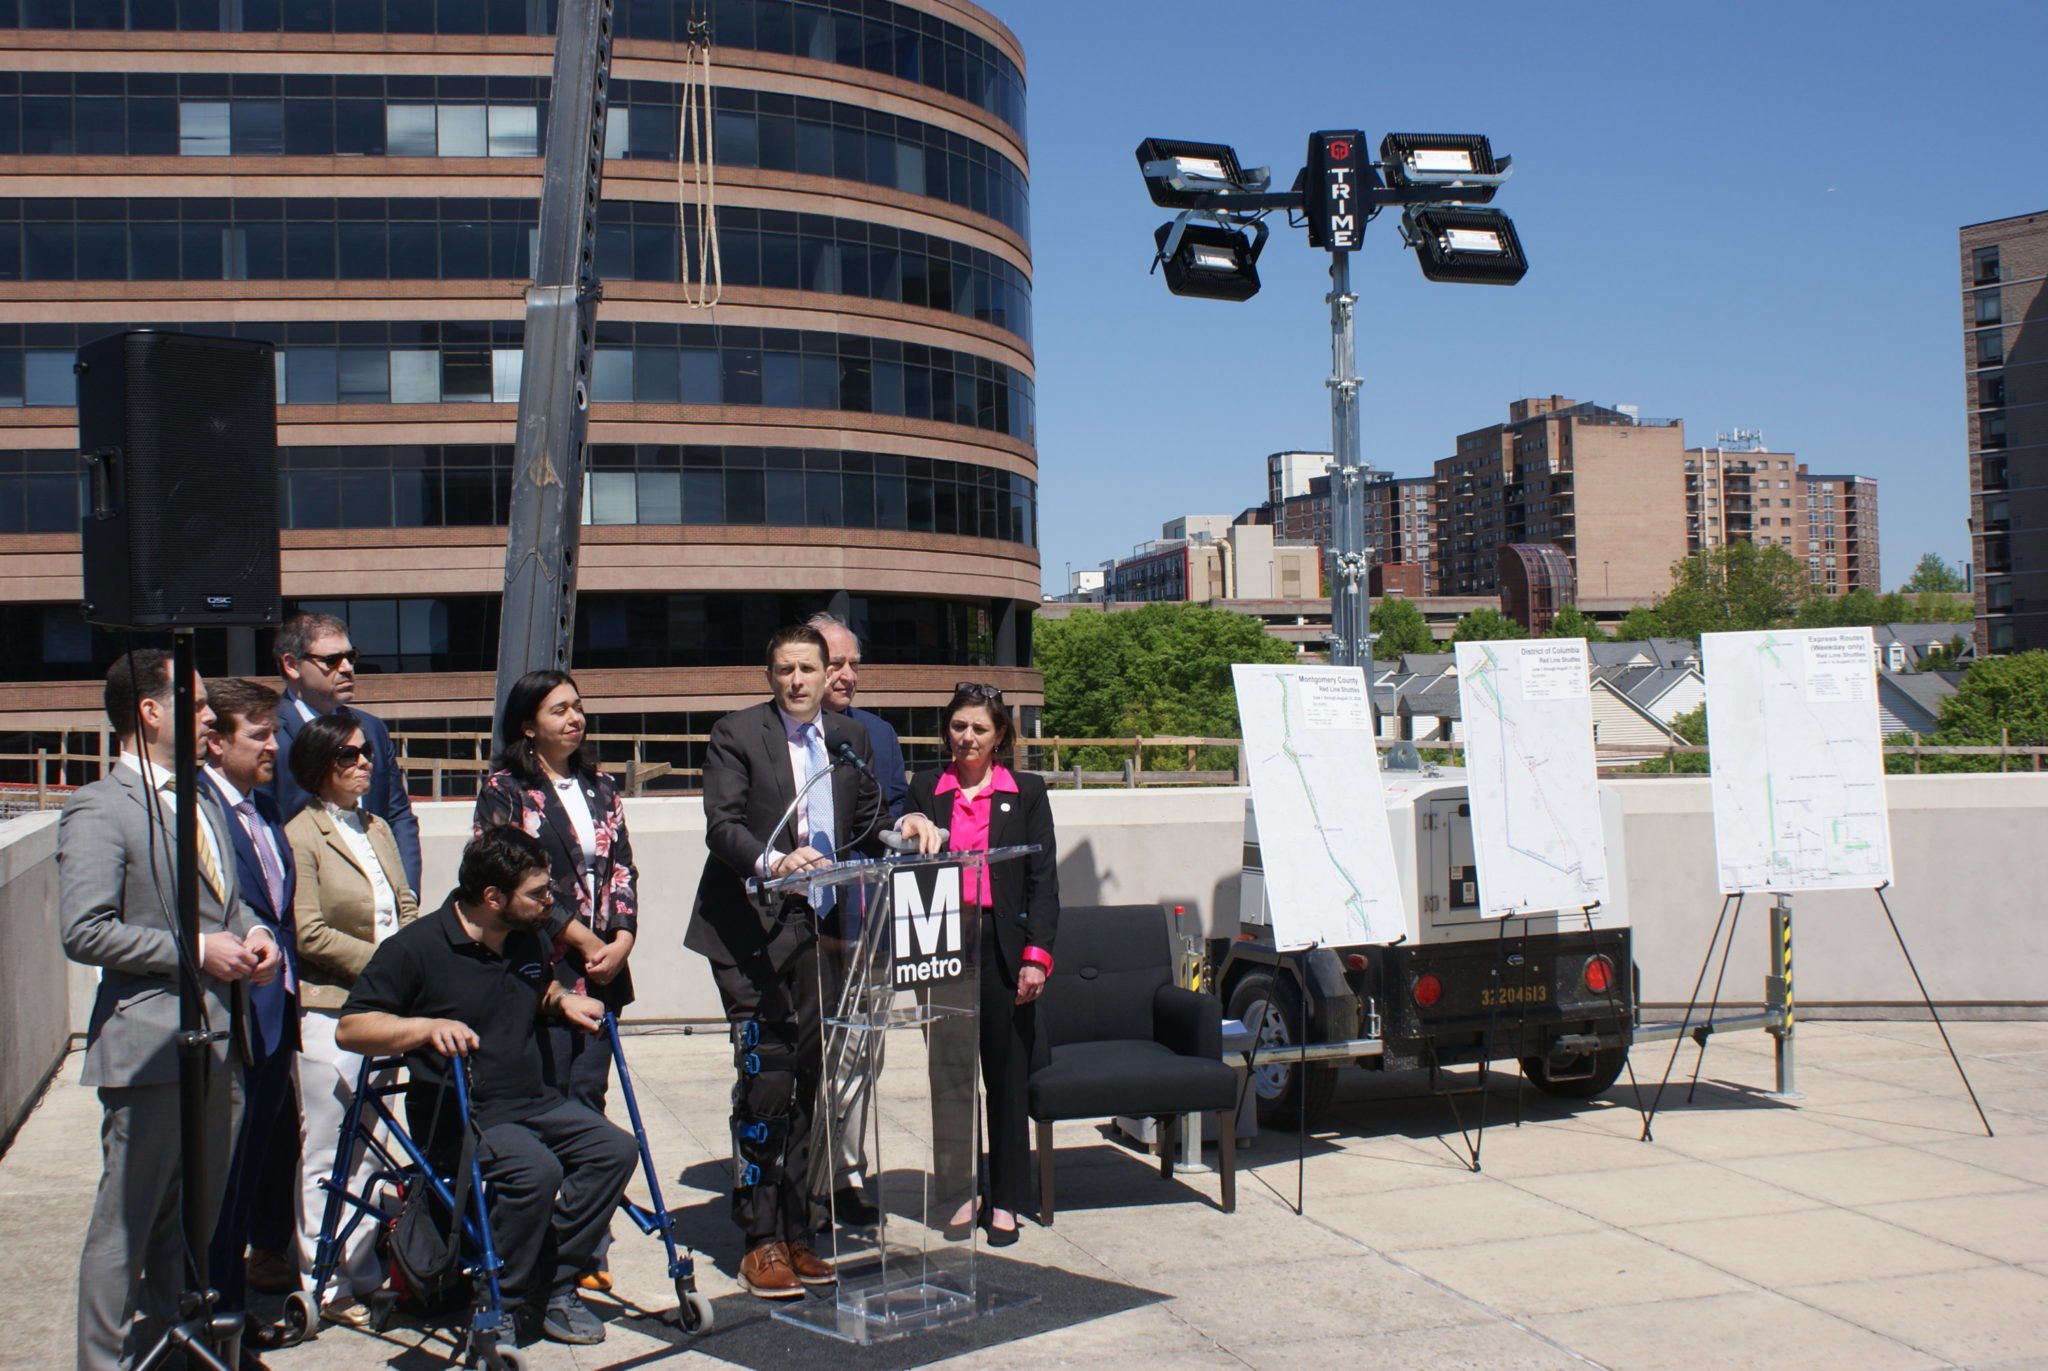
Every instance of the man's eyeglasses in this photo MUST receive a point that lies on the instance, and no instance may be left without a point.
(978, 691)
(330, 662)
(350, 755)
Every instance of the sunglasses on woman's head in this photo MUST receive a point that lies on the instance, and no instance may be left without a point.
(978, 691)
(350, 755)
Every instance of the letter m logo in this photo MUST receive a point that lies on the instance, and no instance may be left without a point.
(926, 930)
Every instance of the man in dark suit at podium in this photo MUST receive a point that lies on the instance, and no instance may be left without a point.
(765, 959)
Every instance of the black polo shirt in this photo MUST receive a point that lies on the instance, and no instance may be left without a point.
(433, 969)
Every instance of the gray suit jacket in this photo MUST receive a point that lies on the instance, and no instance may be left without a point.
(116, 914)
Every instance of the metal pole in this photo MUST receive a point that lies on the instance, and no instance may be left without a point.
(1778, 995)
(546, 514)
(1350, 558)
(194, 1049)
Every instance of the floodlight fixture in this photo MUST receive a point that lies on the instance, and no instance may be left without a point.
(1461, 165)
(1183, 175)
(1474, 246)
(1212, 260)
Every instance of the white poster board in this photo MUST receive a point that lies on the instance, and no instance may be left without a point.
(1527, 713)
(1322, 811)
(1798, 760)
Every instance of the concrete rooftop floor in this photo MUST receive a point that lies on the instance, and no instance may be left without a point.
(1871, 1225)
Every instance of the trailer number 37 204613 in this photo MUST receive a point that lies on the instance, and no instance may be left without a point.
(1494, 996)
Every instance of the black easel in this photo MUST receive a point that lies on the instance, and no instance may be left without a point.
(203, 1337)
(1706, 1029)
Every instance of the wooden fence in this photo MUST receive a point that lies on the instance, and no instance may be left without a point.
(456, 776)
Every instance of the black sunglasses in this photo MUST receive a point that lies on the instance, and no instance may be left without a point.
(978, 691)
(348, 754)
(331, 661)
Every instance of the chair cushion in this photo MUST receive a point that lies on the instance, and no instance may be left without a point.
(1128, 1076)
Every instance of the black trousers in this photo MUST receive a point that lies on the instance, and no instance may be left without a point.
(554, 1179)
(784, 1001)
(1004, 1045)
(261, 1194)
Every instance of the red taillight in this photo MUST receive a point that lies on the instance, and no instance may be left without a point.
(1428, 990)
(1599, 974)
(1355, 961)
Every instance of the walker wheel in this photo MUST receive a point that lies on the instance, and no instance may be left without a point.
(508, 1359)
(300, 1319)
(693, 1310)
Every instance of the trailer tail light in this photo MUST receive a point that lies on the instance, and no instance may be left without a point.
(1428, 990)
(1355, 961)
(1599, 974)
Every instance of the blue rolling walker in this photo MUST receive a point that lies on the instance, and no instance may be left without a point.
(486, 1339)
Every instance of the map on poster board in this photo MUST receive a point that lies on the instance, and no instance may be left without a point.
(1798, 760)
(1527, 714)
(1322, 811)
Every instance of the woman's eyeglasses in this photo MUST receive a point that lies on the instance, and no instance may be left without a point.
(978, 691)
(350, 755)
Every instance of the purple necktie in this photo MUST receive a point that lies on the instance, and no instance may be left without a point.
(273, 873)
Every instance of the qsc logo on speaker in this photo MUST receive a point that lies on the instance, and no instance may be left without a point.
(930, 946)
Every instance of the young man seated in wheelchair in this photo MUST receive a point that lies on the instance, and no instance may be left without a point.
(473, 980)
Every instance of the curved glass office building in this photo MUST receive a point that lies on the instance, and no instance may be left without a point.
(850, 428)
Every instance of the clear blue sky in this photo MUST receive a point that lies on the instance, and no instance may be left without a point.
(1738, 215)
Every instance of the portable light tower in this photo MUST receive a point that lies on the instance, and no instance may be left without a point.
(1211, 249)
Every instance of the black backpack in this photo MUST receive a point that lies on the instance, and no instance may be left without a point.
(426, 1238)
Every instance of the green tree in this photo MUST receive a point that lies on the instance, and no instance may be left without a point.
(1399, 628)
(2000, 698)
(1737, 587)
(1485, 624)
(1939, 607)
(1931, 573)
(1160, 669)
(1572, 622)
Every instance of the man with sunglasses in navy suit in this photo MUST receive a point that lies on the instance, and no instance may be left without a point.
(318, 663)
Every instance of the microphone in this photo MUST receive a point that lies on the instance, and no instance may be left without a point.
(896, 841)
(846, 756)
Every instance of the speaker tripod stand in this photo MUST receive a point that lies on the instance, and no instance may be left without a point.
(203, 1337)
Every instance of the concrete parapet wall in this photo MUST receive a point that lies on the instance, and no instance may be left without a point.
(1967, 896)
(35, 984)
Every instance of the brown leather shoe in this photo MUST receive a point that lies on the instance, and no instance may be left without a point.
(766, 1272)
(810, 1268)
(270, 1272)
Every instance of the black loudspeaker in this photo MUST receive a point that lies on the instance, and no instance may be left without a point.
(179, 436)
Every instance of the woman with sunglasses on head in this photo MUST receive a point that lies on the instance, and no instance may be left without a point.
(982, 804)
(352, 894)
(541, 784)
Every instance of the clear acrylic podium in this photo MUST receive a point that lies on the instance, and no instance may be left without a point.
(899, 965)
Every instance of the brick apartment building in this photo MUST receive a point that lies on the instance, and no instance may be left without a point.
(1741, 492)
(2005, 345)
(1585, 477)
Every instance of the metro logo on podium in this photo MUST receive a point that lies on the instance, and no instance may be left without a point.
(930, 949)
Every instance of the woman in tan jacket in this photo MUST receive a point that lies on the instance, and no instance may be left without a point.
(352, 894)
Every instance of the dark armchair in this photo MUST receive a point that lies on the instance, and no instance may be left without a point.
(1116, 1036)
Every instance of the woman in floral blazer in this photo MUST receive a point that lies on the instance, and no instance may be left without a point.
(541, 783)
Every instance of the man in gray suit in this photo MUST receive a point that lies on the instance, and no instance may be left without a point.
(117, 892)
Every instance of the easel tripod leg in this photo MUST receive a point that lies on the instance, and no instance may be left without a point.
(1692, 1003)
(1932, 1013)
(1714, 1005)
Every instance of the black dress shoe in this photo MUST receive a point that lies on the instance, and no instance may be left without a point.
(851, 1207)
(999, 1237)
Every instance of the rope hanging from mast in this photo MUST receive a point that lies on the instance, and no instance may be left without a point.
(703, 274)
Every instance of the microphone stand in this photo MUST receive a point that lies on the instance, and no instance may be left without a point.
(767, 897)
